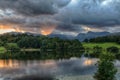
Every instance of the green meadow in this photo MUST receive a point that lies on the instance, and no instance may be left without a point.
(103, 45)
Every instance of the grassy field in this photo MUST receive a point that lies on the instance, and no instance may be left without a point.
(103, 45)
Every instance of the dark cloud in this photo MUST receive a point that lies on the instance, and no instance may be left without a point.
(113, 30)
(62, 3)
(44, 19)
(69, 27)
(33, 7)
(37, 23)
(92, 12)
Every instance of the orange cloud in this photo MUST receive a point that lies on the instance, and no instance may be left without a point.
(46, 30)
(10, 28)
(5, 28)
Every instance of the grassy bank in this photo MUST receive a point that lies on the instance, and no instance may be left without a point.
(30, 49)
(103, 45)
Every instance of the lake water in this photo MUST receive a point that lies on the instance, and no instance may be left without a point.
(18, 69)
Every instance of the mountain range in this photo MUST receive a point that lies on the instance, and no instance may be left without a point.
(80, 36)
(83, 36)
(90, 34)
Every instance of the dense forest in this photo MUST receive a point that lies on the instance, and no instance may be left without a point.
(32, 41)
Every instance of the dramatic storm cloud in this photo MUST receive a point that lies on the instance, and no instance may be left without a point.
(33, 7)
(92, 12)
(49, 16)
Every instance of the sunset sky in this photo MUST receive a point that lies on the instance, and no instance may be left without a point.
(59, 16)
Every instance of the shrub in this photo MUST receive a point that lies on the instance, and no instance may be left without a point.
(113, 49)
(12, 47)
(1, 43)
(2, 50)
(106, 69)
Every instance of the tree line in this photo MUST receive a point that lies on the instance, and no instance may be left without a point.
(111, 38)
(24, 41)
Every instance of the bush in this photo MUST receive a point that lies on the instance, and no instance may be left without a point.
(2, 50)
(106, 69)
(1, 43)
(97, 51)
(113, 49)
(12, 47)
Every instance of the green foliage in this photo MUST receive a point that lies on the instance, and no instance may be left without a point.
(103, 45)
(28, 55)
(86, 40)
(113, 49)
(97, 51)
(42, 42)
(12, 47)
(118, 42)
(2, 50)
(106, 69)
(94, 49)
(1, 43)
(29, 42)
(111, 38)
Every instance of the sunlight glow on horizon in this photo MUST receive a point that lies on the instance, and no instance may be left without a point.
(5, 29)
(47, 30)
(44, 30)
(2, 31)
(8, 28)
(87, 29)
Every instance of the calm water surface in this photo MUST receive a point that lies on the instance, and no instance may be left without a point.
(11, 69)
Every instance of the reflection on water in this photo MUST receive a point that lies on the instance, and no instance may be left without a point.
(19, 64)
(14, 68)
(49, 63)
(88, 62)
(8, 63)
(46, 63)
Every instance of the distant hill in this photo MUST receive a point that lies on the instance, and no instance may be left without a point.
(90, 34)
(18, 33)
(62, 36)
(115, 34)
